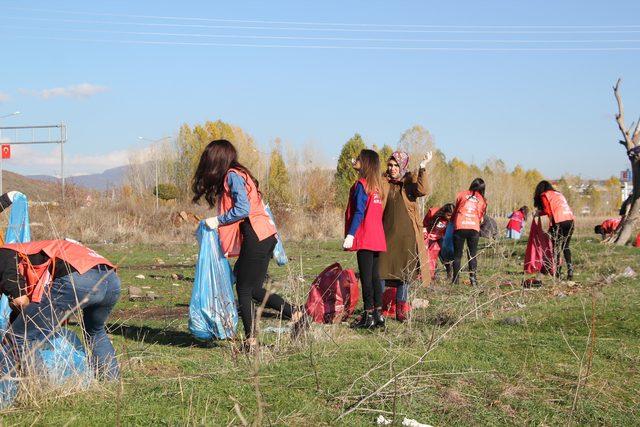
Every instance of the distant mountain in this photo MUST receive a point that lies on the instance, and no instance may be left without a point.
(35, 189)
(111, 178)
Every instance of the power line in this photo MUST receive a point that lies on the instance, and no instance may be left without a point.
(335, 47)
(358, 30)
(262, 21)
(306, 38)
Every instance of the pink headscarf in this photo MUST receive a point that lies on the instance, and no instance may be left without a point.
(403, 162)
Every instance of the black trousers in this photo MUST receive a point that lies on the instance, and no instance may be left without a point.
(459, 238)
(561, 235)
(251, 271)
(370, 279)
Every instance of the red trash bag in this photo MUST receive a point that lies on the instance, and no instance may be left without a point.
(389, 301)
(333, 295)
(433, 248)
(389, 306)
(637, 243)
(539, 257)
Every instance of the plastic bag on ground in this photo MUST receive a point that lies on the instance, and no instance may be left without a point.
(278, 252)
(62, 358)
(212, 310)
(18, 231)
(333, 295)
(8, 377)
(538, 256)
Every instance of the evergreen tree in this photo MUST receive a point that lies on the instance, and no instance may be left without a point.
(345, 174)
(385, 152)
(278, 191)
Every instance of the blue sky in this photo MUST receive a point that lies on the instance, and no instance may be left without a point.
(87, 64)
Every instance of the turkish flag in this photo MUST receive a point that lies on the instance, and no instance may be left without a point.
(6, 151)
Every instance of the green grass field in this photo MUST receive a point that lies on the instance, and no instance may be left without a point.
(568, 353)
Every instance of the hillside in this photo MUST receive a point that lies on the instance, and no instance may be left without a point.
(110, 178)
(36, 190)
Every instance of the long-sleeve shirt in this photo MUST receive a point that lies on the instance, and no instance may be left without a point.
(241, 206)
(5, 202)
(360, 198)
(12, 283)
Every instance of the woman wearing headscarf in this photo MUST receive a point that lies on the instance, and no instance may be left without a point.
(406, 257)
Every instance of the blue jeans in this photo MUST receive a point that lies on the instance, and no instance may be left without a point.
(96, 292)
(402, 289)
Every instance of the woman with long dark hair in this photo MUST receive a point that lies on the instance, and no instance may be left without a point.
(468, 215)
(365, 235)
(553, 204)
(246, 230)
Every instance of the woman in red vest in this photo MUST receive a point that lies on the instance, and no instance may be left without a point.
(517, 219)
(48, 280)
(364, 234)
(608, 227)
(553, 204)
(467, 216)
(435, 224)
(246, 230)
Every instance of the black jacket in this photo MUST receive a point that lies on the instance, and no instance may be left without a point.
(12, 283)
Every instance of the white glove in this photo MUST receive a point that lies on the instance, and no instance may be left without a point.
(12, 195)
(427, 159)
(348, 242)
(212, 222)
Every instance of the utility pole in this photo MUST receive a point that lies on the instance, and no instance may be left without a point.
(20, 139)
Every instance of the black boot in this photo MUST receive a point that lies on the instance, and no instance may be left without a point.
(449, 268)
(473, 279)
(367, 321)
(378, 318)
(569, 271)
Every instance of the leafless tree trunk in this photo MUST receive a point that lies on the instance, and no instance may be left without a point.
(631, 142)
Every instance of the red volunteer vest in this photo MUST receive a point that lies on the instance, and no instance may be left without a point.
(560, 210)
(434, 229)
(470, 209)
(370, 234)
(516, 222)
(610, 225)
(230, 236)
(637, 243)
(38, 277)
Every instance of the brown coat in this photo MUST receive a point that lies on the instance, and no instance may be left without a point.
(413, 187)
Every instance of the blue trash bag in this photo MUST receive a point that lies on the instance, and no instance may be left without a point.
(212, 310)
(5, 313)
(8, 377)
(18, 231)
(446, 252)
(278, 252)
(63, 358)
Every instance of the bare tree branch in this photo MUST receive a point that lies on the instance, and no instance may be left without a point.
(636, 133)
(620, 117)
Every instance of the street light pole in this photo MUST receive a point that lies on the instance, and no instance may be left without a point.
(15, 113)
(155, 162)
